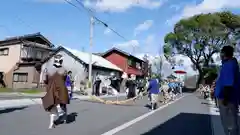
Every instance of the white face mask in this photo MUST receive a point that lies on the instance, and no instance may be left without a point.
(58, 61)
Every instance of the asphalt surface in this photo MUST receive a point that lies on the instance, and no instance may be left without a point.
(187, 116)
(91, 119)
(184, 117)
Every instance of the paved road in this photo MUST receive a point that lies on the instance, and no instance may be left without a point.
(91, 119)
(186, 116)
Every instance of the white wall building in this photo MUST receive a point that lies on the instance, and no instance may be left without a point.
(77, 62)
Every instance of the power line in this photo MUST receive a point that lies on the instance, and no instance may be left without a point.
(6, 28)
(90, 12)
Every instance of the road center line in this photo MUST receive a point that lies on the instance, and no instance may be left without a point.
(125, 125)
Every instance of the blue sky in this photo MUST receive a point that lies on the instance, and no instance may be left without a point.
(142, 22)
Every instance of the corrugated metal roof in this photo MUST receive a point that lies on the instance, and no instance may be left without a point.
(96, 60)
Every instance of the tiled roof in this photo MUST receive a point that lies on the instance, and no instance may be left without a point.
(34, 35)
(122, 52)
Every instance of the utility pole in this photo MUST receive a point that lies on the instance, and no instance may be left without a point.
(90, 53)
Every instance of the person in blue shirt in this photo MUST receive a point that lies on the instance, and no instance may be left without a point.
(69, 83)
(153, 88)
(227, 91)
(172, 89)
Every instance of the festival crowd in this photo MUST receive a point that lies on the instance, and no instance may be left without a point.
(59, 86)
(225, 90)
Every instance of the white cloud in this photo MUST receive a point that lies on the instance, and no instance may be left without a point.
(206, 6)
(175, 7)
(143, 27)
(139, 48)
(122, 5)
(129, 44)
(107, 31)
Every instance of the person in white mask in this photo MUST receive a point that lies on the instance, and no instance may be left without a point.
(57, 93)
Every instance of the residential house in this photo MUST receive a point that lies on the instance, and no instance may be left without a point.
(19, 55)
(127, 62)
(78, 62)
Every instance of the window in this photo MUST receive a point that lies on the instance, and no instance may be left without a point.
(20, 77)
(39, 55)
(131, 63)
(138, 65)
(4, 51)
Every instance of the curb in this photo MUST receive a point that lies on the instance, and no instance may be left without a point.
(15, 103)
(19, 94)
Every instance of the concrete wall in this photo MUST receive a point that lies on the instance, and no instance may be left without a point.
(78, 70)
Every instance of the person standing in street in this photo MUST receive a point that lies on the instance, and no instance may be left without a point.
(57, 93)
(69, 84)
(131, 85)
(154, 89)
(97, 83)
(227, 91)
(123, 82)
(140, 88)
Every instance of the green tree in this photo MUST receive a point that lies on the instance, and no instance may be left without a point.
(201, 36)
(210, 73)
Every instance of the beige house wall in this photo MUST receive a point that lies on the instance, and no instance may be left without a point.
(8, 62)
(32, 80)
(8, 67)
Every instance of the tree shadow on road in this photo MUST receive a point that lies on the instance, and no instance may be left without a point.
(184, 124)
(8, 110)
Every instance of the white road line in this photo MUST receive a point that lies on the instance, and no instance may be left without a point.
(214, 111)
(125, 125)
